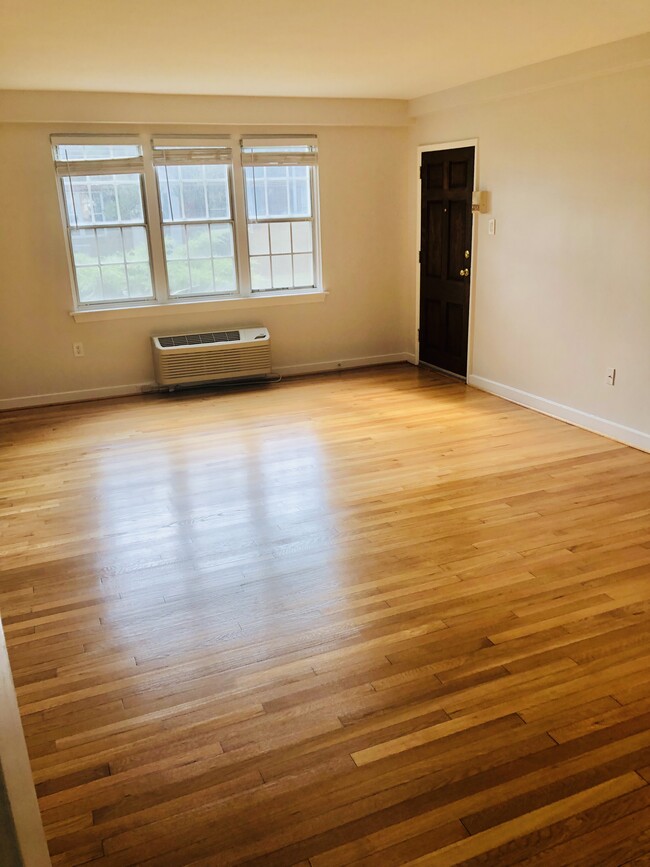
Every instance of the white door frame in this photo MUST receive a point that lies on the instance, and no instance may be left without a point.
(443, 146)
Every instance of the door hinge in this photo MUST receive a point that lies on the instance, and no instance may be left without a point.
(420, 256)
(420, 172)
(418, 335)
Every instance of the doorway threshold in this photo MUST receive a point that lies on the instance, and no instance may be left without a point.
(442, 370)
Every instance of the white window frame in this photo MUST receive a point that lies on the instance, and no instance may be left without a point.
(279, 156)
(154, 227)
(191, 150)
(72, 168)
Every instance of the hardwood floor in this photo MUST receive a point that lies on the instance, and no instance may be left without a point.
(371, 618)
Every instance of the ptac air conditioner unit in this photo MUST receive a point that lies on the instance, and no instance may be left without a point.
(181, 359)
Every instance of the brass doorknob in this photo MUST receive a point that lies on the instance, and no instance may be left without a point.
(464, 272)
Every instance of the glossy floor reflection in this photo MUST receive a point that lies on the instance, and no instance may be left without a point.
(354, 618)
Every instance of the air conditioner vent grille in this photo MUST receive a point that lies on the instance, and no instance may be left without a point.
(206, 337)
(238, 362)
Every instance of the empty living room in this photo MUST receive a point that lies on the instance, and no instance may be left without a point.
(325, 433)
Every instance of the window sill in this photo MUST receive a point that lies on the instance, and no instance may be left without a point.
(268, 299)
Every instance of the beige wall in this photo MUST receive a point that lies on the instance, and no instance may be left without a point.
(363, 184)
(562, 290)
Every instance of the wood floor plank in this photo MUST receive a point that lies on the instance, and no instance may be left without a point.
(368, 618)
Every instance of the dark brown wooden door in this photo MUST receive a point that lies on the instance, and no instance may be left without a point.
(446, 257)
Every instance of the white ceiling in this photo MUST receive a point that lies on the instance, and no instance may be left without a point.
(337, 48)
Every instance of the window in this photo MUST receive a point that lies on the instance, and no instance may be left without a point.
(197, 218)
(102, 189)
(168, 219)
(280, 181)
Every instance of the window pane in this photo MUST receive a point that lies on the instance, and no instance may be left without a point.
(84, 247)
(300, 192)
(225, 278)
(222, 241)
(201, 275)
(277, 192)
(280, 237)
(97, 199)
(198, 241)
(303, 269)
(89, 284)
(178, 274)
(192, 172)
(217, 192)
(200, 258)
(134, 240)
(170, 196)
(218, 204)
(96, 152)
(139, 276)
(301, 235)
(114, 281)
(197, 192)
(103, 203)
(251, 205)
(258, 239)
(129, 200)
(175, 243)
(260, 272)
(109, 244)
(282, 272)
(288, 271)
(123, 256)
(261, 205)
(193, 200)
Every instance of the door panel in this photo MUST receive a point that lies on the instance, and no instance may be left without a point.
(454, 328)
(458, 174)
(434, 239)
(457, 234)
(446, 220)
(434, 177)
(434, 322)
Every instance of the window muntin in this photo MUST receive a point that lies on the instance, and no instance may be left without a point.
(280, 188)
(103, 199)
(198, 228)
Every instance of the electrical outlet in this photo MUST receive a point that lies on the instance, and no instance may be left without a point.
(78, 350)
(611, 376)
(492, 227)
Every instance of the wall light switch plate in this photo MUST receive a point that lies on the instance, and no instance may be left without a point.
(492, 227)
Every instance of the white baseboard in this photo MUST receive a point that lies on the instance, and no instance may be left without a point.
(140, 387)
(628, 435)
(75, 396)
(341, 364)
